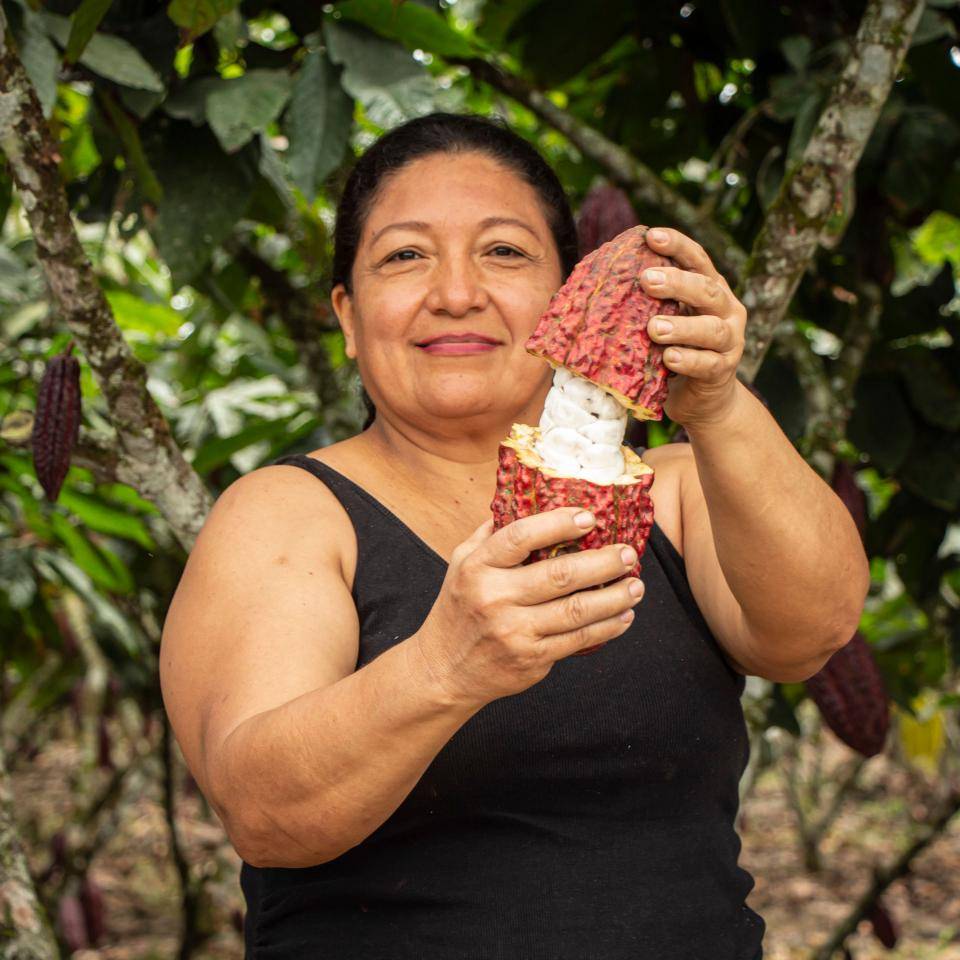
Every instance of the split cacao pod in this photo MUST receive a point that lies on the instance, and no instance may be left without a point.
(56, 425)
(596, 325)
(852, 697)
(606, 211)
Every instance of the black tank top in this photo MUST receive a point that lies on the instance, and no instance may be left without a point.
(590, 817)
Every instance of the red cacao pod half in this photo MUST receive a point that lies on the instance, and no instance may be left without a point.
(852, 697)
(525, 485)
(884, 929)
(596, 325)
(56, 424)
(606, 211)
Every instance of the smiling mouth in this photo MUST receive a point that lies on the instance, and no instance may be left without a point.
(463, 338)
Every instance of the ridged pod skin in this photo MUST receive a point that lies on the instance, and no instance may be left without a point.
(852, 697)
(56, 424)
(596, 325)
(605, 212)
(623, 510)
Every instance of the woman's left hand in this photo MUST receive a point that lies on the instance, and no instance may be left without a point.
(705, 344)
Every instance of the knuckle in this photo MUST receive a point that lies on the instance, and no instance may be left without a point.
(516, 534)
(713, 290)
(561, 572)
(575, 608)
(721, 332)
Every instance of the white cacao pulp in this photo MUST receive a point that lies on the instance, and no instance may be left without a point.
(581, 430)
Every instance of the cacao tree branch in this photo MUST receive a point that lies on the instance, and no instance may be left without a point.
(811, 190)
(622, 168)
(148, 457)
(883, 878)
(25, 931)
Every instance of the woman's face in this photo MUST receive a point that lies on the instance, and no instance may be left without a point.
(457, 246)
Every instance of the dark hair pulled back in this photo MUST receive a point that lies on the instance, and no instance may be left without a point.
(444, 133)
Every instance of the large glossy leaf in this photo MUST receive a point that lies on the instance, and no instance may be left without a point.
(931, 471)
(385, 78)
(881, 424)
(416, 27)
(218, 451)
(40, 59)
(89, 557)
(317, 123)
(195, 17)
(931, 388)
(99, 516)
(917, 311)
(239, 108)
(205, 192)
(83, 25)
(108, 56)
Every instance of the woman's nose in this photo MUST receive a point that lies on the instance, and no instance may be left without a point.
(456, 289)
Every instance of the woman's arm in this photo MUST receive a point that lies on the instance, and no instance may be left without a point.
(759, 519)
(300, 754)
(773, 555)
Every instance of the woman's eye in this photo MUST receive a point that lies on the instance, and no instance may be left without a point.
(399, 255)
(509, 250)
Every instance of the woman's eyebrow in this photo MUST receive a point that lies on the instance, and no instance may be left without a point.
(422, 225)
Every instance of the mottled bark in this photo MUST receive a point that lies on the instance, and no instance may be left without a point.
(621, 167)
(148, 457)
(25, 932)
(812, 191)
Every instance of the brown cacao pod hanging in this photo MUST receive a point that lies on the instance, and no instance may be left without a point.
(844, 483)
(852, 697)
(884, 929)
(56, 425)
(606, 211)
(94, 910)
(71, 923)
(596, 325)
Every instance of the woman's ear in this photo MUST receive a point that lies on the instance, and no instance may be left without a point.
(342, 304)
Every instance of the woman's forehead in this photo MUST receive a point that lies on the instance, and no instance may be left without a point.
(461, 188)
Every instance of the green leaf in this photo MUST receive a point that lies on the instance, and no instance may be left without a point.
(930, 386)
(108, 56)
(932, 26)
(97, 515)
(931, 469)
(133, 149)
(239, 108)
(89, 558)
(796, 51)
(388, 82)
(317, 123)
(189, 102)
(40, 59)
(937, 239)
(133, 313)
(195, 17)
(416, 27)
(881, 424)
(218, 451)
(83, 25)
(205, 192)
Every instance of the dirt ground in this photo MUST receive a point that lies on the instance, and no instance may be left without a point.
(141, 890)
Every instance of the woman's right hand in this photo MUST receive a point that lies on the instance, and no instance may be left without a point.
(498, 626)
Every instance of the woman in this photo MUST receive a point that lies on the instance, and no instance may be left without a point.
(380, 700)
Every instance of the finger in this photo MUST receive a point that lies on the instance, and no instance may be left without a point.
(708, 294)
(706, 332)
(570, 643)
(557, 576)
(585, 607)
(678, 246)
(515, 541)
(699, 364)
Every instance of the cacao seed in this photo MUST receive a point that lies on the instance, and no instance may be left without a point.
(852, 697)
(606, 211)
(56, 425)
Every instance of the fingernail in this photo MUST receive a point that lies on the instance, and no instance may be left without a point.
(629, 556)
(654, 276)
(626, 616)
(658, 236)
(663, 326)
(636, 588)
(584, 520)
